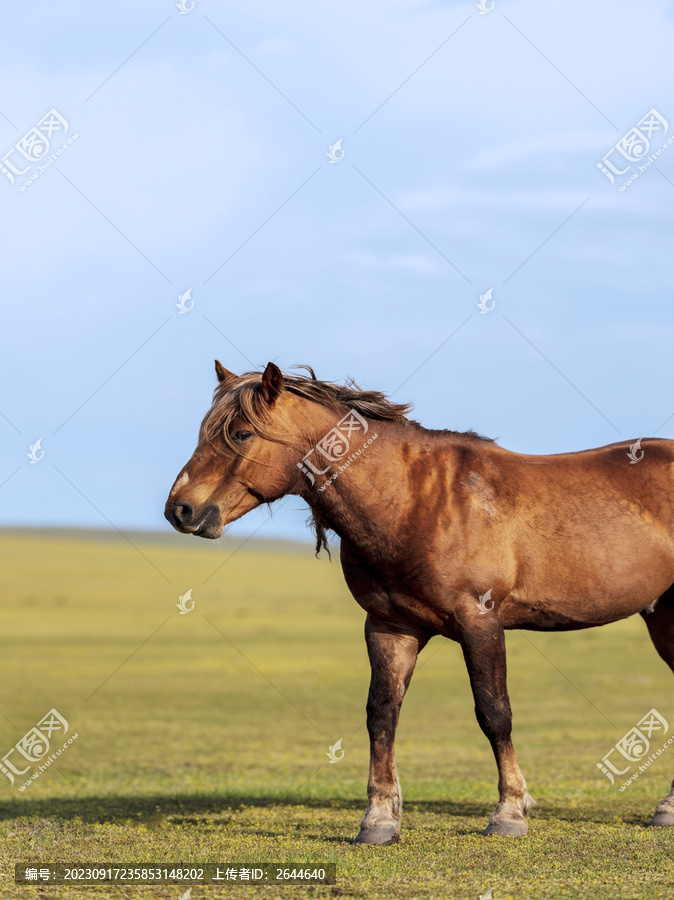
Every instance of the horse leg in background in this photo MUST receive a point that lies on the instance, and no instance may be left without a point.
(392, 660)
(660, 625)
(483, 645)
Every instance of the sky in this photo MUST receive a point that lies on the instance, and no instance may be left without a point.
(195, 156)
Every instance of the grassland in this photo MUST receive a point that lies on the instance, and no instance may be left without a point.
(204, 737)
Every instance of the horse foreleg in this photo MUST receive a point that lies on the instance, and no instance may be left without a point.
(392, 659)
(483, 644)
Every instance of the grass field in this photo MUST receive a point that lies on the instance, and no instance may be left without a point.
(204, 737)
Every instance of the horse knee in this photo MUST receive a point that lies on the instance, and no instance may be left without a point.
(382, 715)
(495, 718)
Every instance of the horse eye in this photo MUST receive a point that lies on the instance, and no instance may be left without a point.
(241, 436)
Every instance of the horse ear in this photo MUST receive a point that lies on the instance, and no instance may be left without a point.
(223, 373)
(272, 383)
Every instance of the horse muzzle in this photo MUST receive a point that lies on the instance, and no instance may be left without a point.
(205, 522)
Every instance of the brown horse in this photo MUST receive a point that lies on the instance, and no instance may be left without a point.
(442, 533)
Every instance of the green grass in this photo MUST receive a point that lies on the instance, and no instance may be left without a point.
(206, 741)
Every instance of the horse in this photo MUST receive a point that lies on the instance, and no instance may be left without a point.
(441, 533)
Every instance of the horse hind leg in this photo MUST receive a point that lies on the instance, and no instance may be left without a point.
(660, 623)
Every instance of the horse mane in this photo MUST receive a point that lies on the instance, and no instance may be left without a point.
(243, 399)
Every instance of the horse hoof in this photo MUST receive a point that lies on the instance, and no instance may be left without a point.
(513, 828)
(662, 818)
(382, 836)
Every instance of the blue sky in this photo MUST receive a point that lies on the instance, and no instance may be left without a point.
(470, 148)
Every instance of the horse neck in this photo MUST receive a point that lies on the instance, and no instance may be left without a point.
(367, 498)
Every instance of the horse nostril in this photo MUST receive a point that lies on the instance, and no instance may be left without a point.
(183, 513)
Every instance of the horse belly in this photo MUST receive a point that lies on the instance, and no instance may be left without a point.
(600, 584)
(554, 615)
